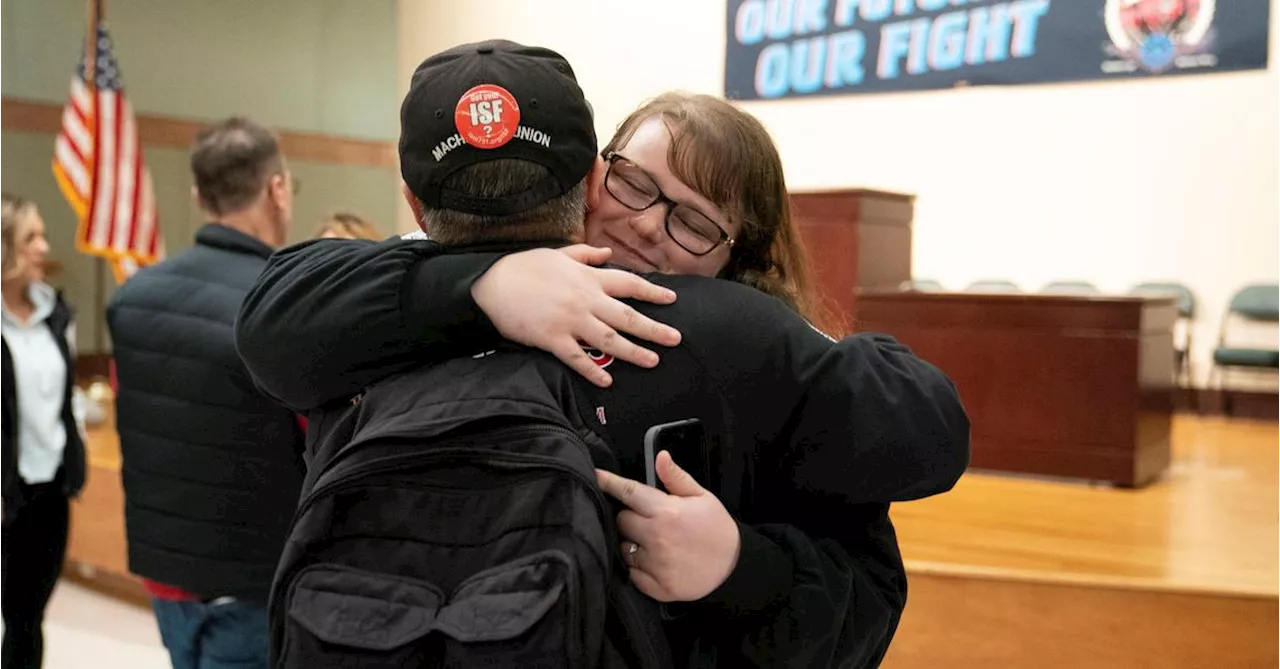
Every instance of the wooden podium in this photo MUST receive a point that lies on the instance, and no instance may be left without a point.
(855, 239)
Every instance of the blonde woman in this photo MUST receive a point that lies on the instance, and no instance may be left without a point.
(345, 225)
(44, 461)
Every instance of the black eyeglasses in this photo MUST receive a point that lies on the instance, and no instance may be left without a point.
(631, 186)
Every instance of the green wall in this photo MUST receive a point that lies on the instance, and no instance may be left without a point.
(326, 66)
(317, 66)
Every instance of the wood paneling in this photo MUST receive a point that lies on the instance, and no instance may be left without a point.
(29, 116)
(856, 238)
(1257, 404)
(963, 623)
(1056, 385)
(92, 366)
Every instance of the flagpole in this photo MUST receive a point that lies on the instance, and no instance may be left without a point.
(91, 44)
(91, 82)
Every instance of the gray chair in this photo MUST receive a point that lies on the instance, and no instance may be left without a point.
(992, 286)
(1069, 288)
(922, 285)
(1259, 303)
(1186, 299)
(1186, 311)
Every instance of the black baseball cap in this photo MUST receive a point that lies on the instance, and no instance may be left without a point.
(491, 100)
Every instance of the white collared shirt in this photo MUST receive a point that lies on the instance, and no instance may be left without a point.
(40, 377)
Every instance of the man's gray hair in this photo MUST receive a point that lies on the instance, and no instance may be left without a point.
(557, 219)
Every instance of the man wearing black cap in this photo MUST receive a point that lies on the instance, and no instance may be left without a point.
(538, 117)
(497, 163)
(792, 560)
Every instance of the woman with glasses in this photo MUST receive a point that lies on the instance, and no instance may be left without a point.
(696, 186)
(692, 185)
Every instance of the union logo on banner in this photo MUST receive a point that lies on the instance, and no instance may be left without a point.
(1159, 35)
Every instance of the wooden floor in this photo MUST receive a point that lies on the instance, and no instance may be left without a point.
(1015, 572)
(1012, 572)
(96, 550)
(103, 447)
(1209, 526)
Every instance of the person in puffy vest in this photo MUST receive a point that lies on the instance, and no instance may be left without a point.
(211, 466)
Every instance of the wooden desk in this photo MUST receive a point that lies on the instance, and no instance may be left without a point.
(1057, 385)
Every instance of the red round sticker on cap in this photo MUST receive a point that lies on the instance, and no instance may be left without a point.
(487, 116)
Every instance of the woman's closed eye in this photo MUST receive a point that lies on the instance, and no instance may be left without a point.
(636, 188)
(698, 223)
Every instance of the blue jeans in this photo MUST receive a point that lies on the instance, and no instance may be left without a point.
(221, 634)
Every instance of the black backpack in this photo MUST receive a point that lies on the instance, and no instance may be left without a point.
(461, 526)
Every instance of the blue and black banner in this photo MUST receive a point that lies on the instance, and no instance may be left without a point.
(788, 48)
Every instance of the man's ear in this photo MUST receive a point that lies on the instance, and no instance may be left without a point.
(595, 183)
(415, 206)
(277, 189)
(201, 205)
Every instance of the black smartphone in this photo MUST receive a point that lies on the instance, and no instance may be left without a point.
(686, 441)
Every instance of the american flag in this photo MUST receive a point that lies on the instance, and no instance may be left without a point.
(98, 164)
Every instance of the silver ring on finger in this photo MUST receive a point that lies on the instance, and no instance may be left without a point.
(631, 554)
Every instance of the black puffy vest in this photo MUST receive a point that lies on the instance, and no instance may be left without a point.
(212, 467)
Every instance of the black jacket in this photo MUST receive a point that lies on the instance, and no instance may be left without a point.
(819, 435)
(73, 458)
(212, 467)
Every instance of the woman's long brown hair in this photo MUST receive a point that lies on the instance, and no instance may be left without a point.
(727, 156)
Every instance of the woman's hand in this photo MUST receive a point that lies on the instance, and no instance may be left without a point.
(680, 546)
(556, 301)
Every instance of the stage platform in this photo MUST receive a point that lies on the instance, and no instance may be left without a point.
(1008, 571)
(1013, 572)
